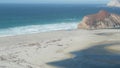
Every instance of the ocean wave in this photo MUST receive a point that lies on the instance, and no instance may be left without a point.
(36, 29)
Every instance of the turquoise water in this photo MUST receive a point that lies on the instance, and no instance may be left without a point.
(16, 19)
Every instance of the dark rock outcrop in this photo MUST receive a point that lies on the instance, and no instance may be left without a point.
(101, 20)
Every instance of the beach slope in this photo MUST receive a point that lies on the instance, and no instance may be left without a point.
(62, 49)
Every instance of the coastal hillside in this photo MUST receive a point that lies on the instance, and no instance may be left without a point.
(101, 20)
(114, 3)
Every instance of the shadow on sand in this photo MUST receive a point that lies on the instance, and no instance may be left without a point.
(93, 57)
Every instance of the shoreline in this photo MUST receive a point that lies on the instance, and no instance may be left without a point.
(64, 30)
(38, 33)
(32, 29)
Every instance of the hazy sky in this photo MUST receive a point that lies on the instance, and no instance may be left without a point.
(54, 1)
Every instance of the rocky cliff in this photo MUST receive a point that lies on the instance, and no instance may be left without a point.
(101, 20)
(114, 3)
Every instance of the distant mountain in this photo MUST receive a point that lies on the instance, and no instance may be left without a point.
(114, 3)
(101, 20)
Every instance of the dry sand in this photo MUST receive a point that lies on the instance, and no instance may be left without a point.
(62, 49)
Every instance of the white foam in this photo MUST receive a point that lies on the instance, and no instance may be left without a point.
(36, 29)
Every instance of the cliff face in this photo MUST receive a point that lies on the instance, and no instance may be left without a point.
(101, 20)
(114, 3)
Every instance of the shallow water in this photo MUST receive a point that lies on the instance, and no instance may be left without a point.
(16, 19)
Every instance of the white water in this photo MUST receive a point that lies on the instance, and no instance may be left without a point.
(37, 28)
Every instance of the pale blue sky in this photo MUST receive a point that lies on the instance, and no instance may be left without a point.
(55, 1)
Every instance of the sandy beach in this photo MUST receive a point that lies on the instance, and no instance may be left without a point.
(62, 49)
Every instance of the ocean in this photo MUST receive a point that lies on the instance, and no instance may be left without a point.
(17, 19)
